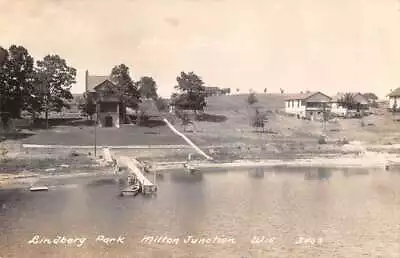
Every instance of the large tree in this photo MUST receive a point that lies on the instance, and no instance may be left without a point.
(3, 55)
(127, 89)
(54, 81)
(147, 87)
(19, 75)
(192, 92)
(4, 88)
(16, 81)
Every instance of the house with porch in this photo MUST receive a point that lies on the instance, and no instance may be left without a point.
(359, 107)
(105, 94)
(394, 100)
(309, 105)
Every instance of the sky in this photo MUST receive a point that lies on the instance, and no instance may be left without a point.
(298, 45)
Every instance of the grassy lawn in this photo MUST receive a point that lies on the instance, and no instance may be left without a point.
(84, 135)
(285, 135)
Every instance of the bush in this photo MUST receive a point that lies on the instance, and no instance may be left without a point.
(322, 139)
(161, 104)
(252, 98)
(258, 120)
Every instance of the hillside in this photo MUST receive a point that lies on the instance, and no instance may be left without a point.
(235, 103)
(227, 123)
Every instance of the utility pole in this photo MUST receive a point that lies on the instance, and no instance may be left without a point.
(95, 136)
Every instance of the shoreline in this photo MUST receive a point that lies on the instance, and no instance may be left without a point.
(368, 160)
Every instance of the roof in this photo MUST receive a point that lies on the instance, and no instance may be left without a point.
(395, 93)
(105, 85)
(93, 80)
(211, 88)
(302, 96)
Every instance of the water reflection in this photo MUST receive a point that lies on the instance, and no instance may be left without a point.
(318, 174)
(257, 172)
(184, 177)
(102, 182)
(355, 172)
(354, 217)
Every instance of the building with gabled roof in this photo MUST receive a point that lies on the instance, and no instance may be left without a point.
(308, 105)
(394, 99)
(106, 97)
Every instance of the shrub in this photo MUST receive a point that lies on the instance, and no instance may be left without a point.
(258, 120)
(252, 98)
(161, 104)
(322, 139)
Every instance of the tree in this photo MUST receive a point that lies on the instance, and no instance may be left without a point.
(147, 87)
(258, 120)
(19, 72)
(370, 96)
(282, 90)
(252, 98)
(16, 82)
(54, 78)
(4, 87)
(3, 55)
(88, 106)
(127, 89)
(185, 119)
(372, 99)
(161, 104)
(347, 101)
(192, 92)
(237, 90)
(265, 90)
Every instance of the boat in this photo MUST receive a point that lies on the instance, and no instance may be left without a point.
(189, 168)
(131, 190)
(38, 188)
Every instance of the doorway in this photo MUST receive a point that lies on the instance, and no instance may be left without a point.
(108, 121)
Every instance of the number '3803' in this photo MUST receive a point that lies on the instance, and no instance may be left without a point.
(308, 241)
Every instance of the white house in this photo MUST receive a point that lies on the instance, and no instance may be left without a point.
(309, 105)
(394, 99)
(361, 105)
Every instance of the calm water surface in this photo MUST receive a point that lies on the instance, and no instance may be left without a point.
(297, 212)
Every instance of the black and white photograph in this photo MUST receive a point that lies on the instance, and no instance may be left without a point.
(200, 128)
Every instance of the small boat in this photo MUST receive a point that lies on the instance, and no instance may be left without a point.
(189, 168)
(38, 188)
(131, 190)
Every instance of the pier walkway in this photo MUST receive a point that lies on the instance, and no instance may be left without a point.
(134, 167)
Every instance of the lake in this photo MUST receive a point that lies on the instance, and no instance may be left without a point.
(260, 212)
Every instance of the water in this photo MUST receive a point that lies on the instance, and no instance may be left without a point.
(291, 212)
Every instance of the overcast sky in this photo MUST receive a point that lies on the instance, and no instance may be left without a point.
(327, 45)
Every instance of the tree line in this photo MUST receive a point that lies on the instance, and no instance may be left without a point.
(35, 87)
(44, 86)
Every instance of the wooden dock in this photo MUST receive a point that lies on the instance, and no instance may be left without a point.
(135, 168)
